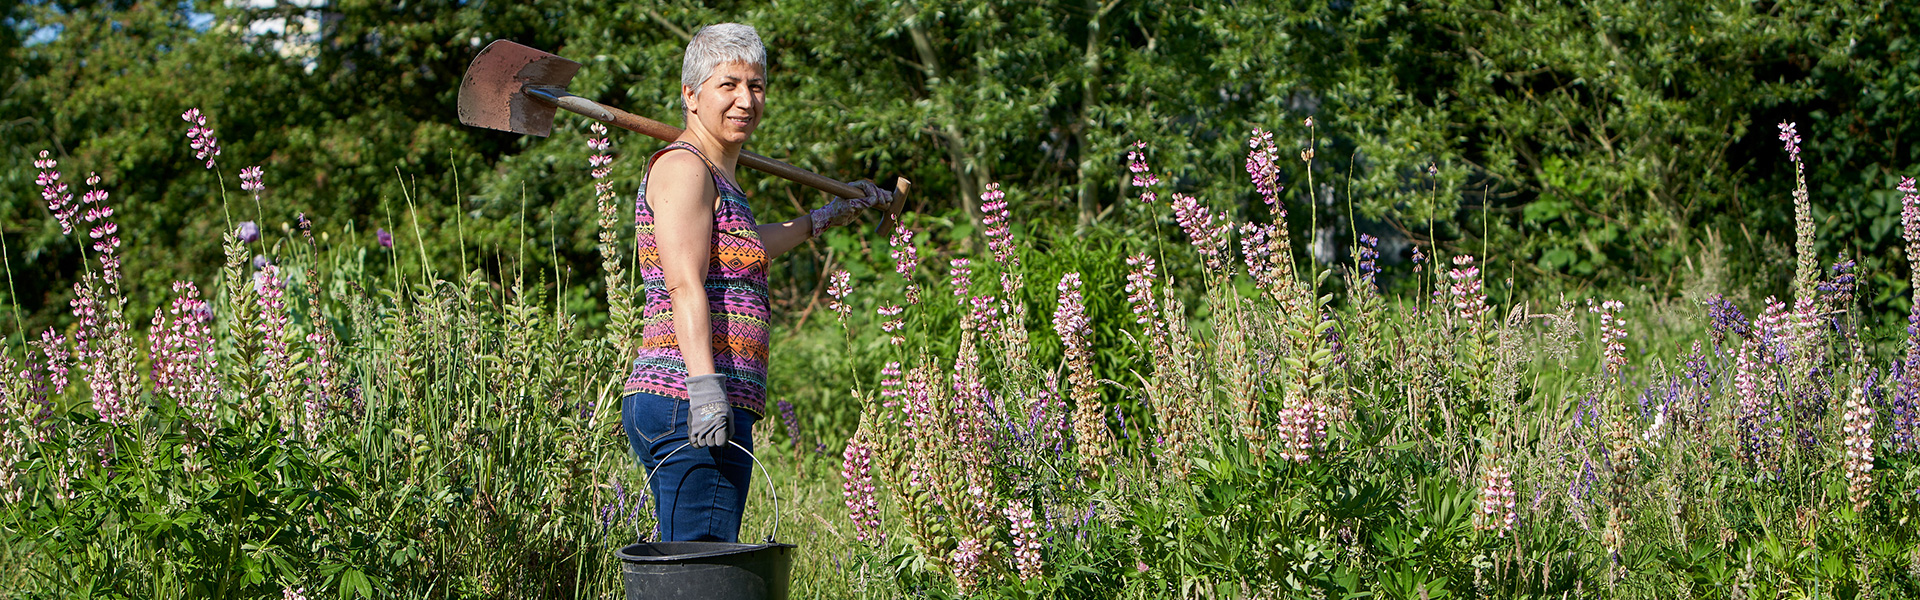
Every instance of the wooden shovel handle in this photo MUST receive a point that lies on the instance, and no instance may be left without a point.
(668, 133)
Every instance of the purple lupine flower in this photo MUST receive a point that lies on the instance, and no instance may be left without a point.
(1724, 317)
(260, 261)
(1469, 299)
(249, 232)
(792, 421)
(961, 271)
(1368, 267)
(1419, 258)
(1903, 407)
(384, 237)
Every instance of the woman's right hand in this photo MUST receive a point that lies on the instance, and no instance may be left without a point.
(841, 210)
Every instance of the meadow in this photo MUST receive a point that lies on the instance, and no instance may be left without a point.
(1173, 403)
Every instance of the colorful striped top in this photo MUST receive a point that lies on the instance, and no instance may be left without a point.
(737, 301)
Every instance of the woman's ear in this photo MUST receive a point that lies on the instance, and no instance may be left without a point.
(687, 96)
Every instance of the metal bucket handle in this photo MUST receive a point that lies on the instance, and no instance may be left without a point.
(771, 490)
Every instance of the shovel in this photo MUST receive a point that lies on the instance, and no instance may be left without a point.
(511, 87)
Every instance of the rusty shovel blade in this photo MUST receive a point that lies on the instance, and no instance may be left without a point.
(491, 94)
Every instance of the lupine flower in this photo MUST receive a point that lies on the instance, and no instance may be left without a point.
(270, 292)
(1469, 300)
(1903, 407)
(905, 259)
(1910, 230)
(185, 364)
(1857, 427)
(1076, 335)
(969, 565)
(384, 237)
(1263, 170)
(857, 490)
(1418, 259)
(200, 136)
(1496, 501)
(1838, 291)
(961, 276)
(1207, 237)
(1613, 334)
(1143, 176)
(55, 193)
(994, 215)
(293, 593)
(1140, 288)
(892, 325)
(1791, 139)
(1754, 416)
(1723, 318)
(792, 420)
(1367, 267)
(891, 387)
(838, 287)
(250, 180)
(248, 232)
(986, 313)
(1026, 542)
(1257, 247)
(602, 160)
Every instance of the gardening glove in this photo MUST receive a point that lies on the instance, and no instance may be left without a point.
(842, 210)
(710, 419)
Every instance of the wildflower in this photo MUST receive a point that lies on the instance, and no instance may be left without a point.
(1839, 290)
(893, 325)
(969, 565)
(838, 287)
(961, 275)
(270, 291)
(1613, 334)
(1418, 259)
(601, 161)
(1309, 122)
(185, 364)
(1792, 140)
(1910, 230)
(1026, 541)
(1468, 298)
(993, 206)
(857, 490)
(1076, 336)
(1903, 406)
(293, 593)
(1723, 318)
(248, 232)
(1367, 267)
(55, 193)
(792, 421)
(1140, 288)
(1207, 237)
(200, 137)
(1496, 501)
(986, 313)
(1262, 168)
(1753, 416)
(1143, 176)
(1857, 427)
(384, 237)
(250, 180)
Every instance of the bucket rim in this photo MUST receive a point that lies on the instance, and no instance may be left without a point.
(731, 548)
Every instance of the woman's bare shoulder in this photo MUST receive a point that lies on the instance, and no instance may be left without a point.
(677, 175)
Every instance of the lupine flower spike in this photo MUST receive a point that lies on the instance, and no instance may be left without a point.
(200, 137)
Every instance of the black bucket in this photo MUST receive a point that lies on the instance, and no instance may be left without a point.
(710, 570)
(706, 571)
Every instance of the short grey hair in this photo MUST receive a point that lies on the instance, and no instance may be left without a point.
(716, 45)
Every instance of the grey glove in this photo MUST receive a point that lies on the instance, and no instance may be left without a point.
(841, 210)
(710, 421)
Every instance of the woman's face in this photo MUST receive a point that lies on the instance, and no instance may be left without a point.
(729, 103)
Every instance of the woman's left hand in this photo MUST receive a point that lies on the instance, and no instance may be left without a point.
(842, 210)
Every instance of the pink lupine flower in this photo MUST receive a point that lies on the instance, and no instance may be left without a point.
(1140, 288)
(1469, 300)
(1076, 335)
(250, 181)
(1207, 236)
(1496, 501)
(857, 490)
(893, 325)
(1026, 542)
(1257, 245)
(55, 193)
(891, 387)
(1143, 176)
(1791, 139)
(961, 276)
(602, 159)
(1753, 416)
(1910, 230)
(185, 363)
(200, 137)
(969, 565)
(270, 292)
(1263, 168)
(838, 287)
(994, 215)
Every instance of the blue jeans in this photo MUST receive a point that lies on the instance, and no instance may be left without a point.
(699, 494)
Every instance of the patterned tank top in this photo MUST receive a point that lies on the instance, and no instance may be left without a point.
(737, 301)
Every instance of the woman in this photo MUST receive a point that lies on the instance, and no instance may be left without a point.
(700, 378)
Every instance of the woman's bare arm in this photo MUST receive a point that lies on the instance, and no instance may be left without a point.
(682, 198)
(778, 238)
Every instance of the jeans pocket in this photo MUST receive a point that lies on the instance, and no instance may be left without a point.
(656, 416)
